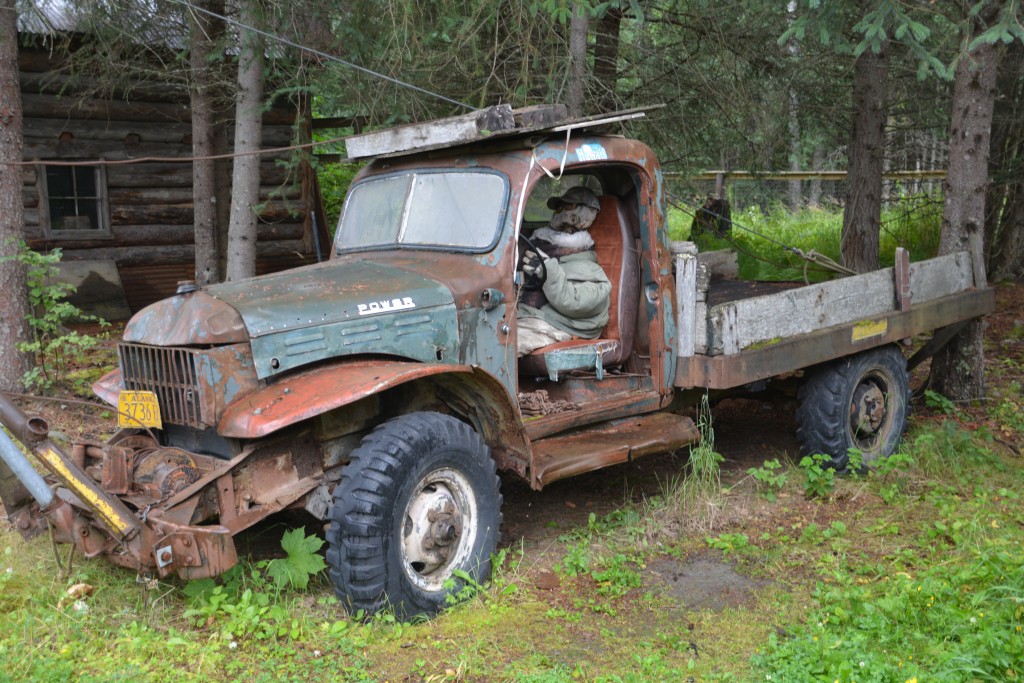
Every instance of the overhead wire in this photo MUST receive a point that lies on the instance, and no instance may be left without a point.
(321, 54)
(157, 159)
(260, 152)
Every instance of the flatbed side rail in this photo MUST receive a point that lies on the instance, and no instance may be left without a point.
(794, 353)
(741, 341)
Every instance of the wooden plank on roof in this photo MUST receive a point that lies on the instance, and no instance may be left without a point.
(454, 130)
(513, 122)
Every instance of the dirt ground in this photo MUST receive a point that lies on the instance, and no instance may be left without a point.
(746, 433)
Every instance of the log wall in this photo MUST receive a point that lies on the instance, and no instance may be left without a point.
(150, 204)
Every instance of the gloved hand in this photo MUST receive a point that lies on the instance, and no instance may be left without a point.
(533, 270)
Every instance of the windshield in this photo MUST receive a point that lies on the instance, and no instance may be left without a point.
(459, 209)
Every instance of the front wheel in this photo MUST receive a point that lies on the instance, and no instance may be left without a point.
(418, 501)
(858, 402)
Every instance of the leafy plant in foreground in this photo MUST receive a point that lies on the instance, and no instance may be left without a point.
(820, 481)
(770, 479)
(54, 347)
(302, 562)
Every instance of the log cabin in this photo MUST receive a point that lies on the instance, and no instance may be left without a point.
(126, 231)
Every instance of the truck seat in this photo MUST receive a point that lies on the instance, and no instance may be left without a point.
(617, 254)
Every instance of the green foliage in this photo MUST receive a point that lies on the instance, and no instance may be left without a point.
(1008, 411)
(728, 543)
(616, 577)
(770, 479)
(952, 621)
(302, 562)
(1007, 27)
(937, 401)
(757, 236)
(704, 459)
(882, 21)
(248, 602)
(334, 180)
(892, 473)
(54, 347)
(820, 480)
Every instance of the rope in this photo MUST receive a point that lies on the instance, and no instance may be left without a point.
(189, 159)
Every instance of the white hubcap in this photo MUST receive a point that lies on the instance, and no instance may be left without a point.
(438, 528)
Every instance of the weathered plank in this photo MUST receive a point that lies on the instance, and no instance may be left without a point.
(73, 107)
(736, 325)
(456, 129)
(686, 299)
(115, 131)
(178, 174)
(51, 148)
(901, 270)
(795, 353)
(167, 254)
(940, 276)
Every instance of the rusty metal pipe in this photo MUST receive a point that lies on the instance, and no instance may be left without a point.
(23, 470)
(32, 431)
(29, 430)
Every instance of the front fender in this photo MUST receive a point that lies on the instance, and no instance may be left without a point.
(307, 394)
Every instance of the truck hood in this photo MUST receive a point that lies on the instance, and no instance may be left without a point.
(343, 308)
(328, 293)
(302, 316)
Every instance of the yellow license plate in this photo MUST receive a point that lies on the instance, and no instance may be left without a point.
(138, 409)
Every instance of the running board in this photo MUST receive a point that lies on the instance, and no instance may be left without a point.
(609, 443)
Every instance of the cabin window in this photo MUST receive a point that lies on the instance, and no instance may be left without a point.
(73, 201)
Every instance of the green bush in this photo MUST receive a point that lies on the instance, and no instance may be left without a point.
(54, 347)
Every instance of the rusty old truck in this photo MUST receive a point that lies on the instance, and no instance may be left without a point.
(380, 390)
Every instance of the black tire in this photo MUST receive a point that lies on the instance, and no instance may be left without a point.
(383, 550)
(860, 401)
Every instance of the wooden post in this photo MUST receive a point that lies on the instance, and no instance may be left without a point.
(719, 184)
(975, 243)
(686, 297)
(901, 274)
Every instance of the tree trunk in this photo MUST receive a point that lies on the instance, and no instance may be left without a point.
(1004, 220)
(863, 214)
(817, 164)
(245, 180)
(578, 29)
(204, 177)
(795, 195)
(957, 371)
(606, 58)
(14, 302)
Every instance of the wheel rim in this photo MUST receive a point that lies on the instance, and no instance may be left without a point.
(871, 411)
(439, 528)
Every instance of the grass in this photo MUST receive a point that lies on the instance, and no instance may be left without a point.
(914, 570)
(888, 570)
(914, 225)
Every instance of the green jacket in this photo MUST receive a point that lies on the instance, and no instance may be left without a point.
(578, 294)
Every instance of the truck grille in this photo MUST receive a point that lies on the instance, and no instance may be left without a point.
(170, 374)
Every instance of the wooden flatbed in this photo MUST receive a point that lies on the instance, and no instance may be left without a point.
(731, 334)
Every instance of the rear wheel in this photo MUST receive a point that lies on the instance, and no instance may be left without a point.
(418, 501)
(858, 402)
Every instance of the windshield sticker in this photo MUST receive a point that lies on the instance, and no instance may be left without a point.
(591, 152)
(385, 306)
